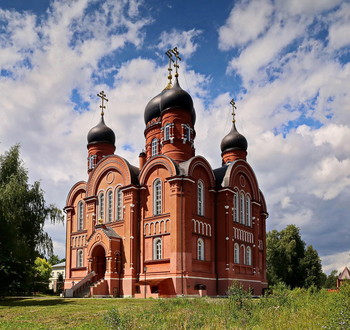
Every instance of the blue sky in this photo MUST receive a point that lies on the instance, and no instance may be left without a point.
(286, 62)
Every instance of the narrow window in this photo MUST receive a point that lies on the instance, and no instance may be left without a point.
(80, 215)
(187, 132)
(167, 132)
(200, 198)
(80, 258)
(235, 207)
(241, 209)
(247, 211)
(101, 203)
(109, 206)
(248, 257)
(154, 147)
(157, 197)
(200, 249)
(236, 254)
(157, 249)
(242, 254)
(118, 204)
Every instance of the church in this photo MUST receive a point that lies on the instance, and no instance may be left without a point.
(171, 226)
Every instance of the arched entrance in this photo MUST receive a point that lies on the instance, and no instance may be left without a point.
(99, 261)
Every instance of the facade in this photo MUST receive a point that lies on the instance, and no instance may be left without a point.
(173, 225)
(54, 280)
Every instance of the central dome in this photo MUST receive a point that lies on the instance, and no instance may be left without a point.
(101, 133)
(176, 97)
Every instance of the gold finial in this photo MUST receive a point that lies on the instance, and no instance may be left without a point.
(177, 58)
(233, 103)
(170, 77)
(102, 95)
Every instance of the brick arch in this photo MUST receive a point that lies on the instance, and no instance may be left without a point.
(159, 160)
(189, 166)
(242, 167)
(76, 189)
(109, 163)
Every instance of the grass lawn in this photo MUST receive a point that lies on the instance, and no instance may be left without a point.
(60, 313)
(285, 309)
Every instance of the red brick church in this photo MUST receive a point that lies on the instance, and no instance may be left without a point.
(172, 225)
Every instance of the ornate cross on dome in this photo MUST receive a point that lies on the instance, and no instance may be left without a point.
(233, 103)
(102, 95)
(177, 58)
(170, 77)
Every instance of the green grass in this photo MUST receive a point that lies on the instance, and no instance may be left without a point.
(297, 309)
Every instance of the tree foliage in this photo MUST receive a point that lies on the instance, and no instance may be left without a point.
(23, 212)
(42, 272)
(289, 262)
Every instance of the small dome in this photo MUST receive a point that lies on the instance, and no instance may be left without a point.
(101, 134)
(152, 109)
(176, 97)
(234, 140)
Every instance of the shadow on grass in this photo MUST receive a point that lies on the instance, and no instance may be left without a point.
(23, 302)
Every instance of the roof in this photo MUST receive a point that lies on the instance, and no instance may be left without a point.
(345, 274)
(110, 232)
(220, 174)
(61, 264)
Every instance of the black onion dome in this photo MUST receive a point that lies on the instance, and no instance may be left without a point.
(234, 140)
(101, 133)
(152, 109)
(176, 97)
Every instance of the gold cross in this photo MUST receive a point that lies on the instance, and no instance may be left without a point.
(233, 103)
(170, 77)
(177, 58)
(102, 95)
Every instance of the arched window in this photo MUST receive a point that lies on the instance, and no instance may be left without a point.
(248, 256)
(167, 131)
(118, 204)
(235, 207)
(80, 224)
(80, 262)
(247, 211)
(109, 206)
(157, 197)
(200, 249)
(242, 254)
(101, 206)
(200, 198)
(236, 254)
(154, 147)
(241, 208)
(157, 249)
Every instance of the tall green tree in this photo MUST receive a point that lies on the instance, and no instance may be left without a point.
(289, 262)
(42, 272)
(23, 212)
(331, 280)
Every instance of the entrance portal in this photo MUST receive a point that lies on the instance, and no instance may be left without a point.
(99, 262)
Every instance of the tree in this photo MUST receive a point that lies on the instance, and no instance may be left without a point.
(55, 259)
(331, 280)
(312, 268)
(23, 212)
(289, 262)
(42, 273)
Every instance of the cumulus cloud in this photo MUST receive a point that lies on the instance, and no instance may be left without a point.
(184, 40)
(43, 60)
(294, 111)
(247, 21)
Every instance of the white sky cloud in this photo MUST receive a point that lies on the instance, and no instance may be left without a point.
(184, 40)
(293, 102)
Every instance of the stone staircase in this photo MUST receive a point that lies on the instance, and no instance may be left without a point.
(99, 289)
